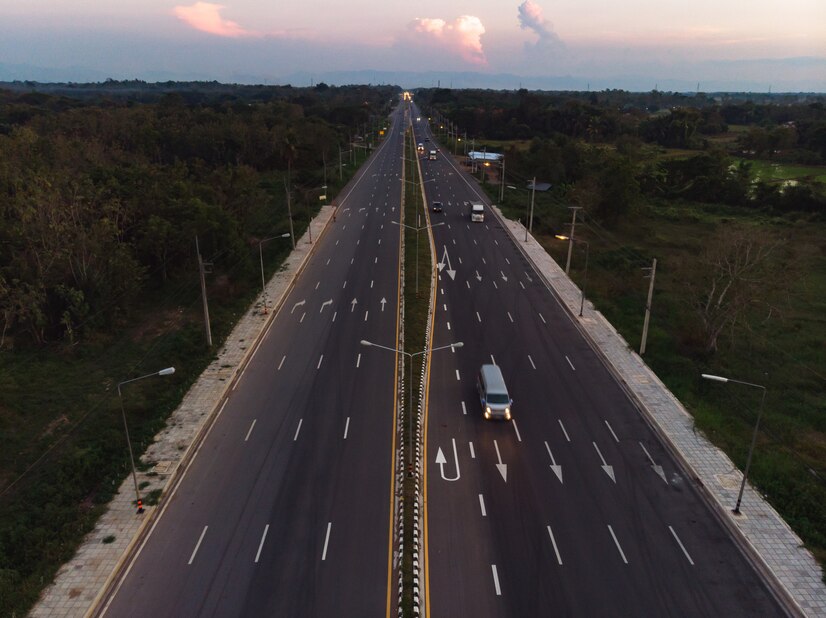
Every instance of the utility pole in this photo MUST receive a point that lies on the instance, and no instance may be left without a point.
(571, 238)
(502, 182)
(289, 208)
(653, 270)
(340, 164)
(529, 217)
(201, 271)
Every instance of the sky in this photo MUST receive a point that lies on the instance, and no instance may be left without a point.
(635, 44)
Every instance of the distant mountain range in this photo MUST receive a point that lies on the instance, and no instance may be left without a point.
(467, 79)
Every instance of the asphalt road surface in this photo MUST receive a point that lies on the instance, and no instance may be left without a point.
(574, 508)
(286, 509)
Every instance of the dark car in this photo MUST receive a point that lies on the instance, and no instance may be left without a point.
(436, 207)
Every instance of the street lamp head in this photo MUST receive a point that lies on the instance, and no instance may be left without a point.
(167, 372)
(458, 344)
(365, 342)
(714, 378)
(561, 237)
(286, 235)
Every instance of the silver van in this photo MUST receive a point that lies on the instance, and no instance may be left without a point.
(493, 394)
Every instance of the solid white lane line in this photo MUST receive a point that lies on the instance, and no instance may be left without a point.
(542, 318)
(492, 360)
(472, 451)
(261, 544)
(197, 545)
(531, 360)
(302, 317)
(297, 429)
(358, 361)
(570, 363)
(283, 358)
(457, 376)
(510, 317)
(346, 427)
(611, 429)
(496, 580)
(616, 542)
(563, 430)
(319, 362)
(478, 317)
(247, 437)
(680, 543)
(464, 409)
(326, 541)
(516, 429)
(482, 505)
(556, 549)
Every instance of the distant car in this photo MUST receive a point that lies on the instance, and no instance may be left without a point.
(427, 139)
(436, 207)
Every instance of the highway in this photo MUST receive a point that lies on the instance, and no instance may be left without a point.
(287, 509)
(575, 508)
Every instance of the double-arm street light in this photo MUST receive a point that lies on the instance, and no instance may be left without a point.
(585, 274)
(261, 260)
(417, 229)
(163, 372)
(736, 509)
(410, 356)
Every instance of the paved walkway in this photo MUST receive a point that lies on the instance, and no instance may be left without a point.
(81, 582)
(774, 547)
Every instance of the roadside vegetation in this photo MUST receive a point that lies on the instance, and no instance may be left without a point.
(727, 193)
(101, 197)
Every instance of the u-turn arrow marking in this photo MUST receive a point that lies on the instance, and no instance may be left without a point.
(441, 460)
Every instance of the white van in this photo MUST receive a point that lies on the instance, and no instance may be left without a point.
(477, 212)
(493, 394)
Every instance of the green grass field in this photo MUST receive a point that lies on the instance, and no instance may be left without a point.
(770, 171)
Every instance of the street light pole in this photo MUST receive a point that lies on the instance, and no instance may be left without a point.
(163, 372)
(261, 260)
(410, 356)
(736, 509)
(417, 229)
(585, 274)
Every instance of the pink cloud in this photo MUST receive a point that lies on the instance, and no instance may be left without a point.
(462, 36)
(206, 17)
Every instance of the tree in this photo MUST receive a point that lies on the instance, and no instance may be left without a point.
(741, 268)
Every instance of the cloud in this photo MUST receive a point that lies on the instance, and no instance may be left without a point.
(463, 36)
(206, 17)
(531, 18)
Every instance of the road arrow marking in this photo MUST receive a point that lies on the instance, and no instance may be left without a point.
(451, 273)
(353, 304)
(556, 468)
(383, 303)
(441, 460)
(609, 470)
(504, 278)
(324, 304)
(503, 468)
(298, 304)
(478, 276)
(657, 469)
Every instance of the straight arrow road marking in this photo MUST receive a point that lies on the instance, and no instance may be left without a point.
(503, 468)
(445, 257)
(353, 304)
(657, 469)
(441, 460)
(609, 470)
(383, 303)
(504, 278)
(556, 468)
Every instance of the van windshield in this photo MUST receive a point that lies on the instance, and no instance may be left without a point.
(497, 398)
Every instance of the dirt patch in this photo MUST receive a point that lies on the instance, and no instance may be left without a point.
(168, 321)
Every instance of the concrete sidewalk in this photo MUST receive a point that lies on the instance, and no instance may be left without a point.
(81, 583)
(775, 549)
